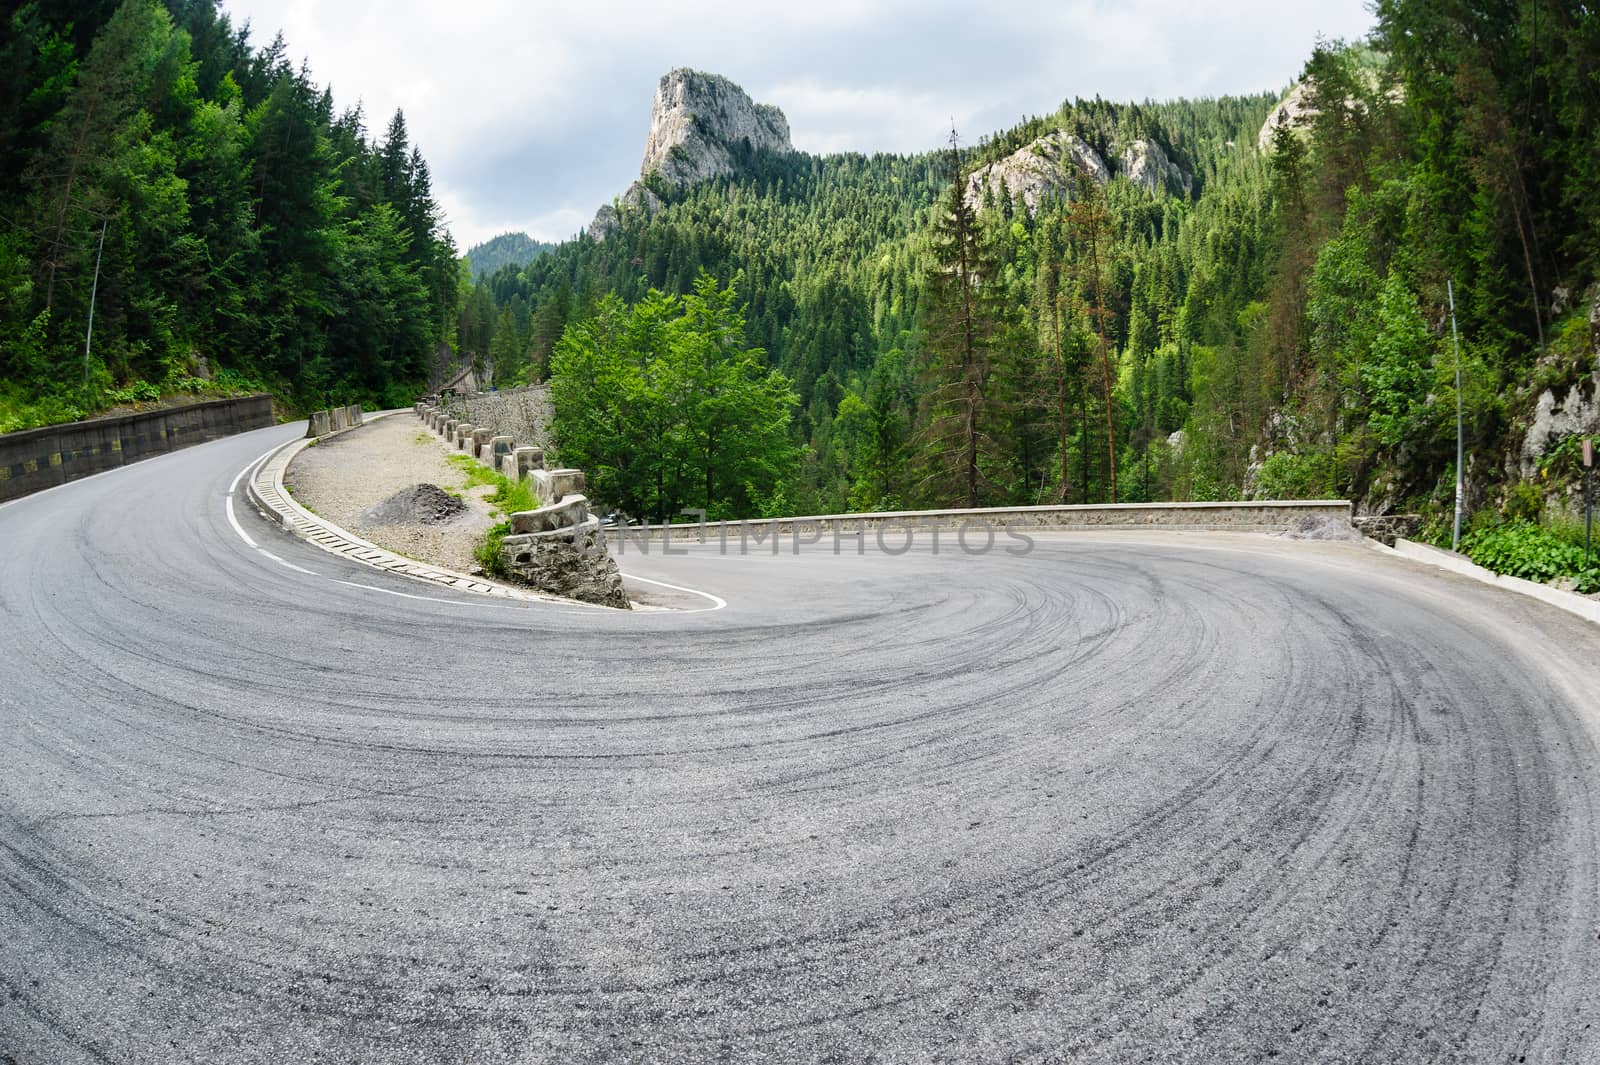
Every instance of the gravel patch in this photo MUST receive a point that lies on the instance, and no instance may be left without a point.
(1317, 528)
(425, 503)
(370, 480)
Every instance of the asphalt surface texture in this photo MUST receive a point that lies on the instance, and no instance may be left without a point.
(1125, 798)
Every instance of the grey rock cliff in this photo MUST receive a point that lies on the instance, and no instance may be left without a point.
(1043, 169)
(1145, 163)
(695, 122)
(1294, 111)
(696, 118)
(1574, 411)
(1047, 168)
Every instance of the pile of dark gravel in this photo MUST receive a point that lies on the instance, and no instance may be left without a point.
(425, 503)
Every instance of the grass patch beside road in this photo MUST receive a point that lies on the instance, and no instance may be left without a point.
(508, 496)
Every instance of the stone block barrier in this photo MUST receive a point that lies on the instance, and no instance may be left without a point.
(333, 420)
(34, 459)
(558, 547)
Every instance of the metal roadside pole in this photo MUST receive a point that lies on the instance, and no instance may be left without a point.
(1455, 533)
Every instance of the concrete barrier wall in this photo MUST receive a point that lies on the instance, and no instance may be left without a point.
(1247, 517)
(333, 420)
(55, 454)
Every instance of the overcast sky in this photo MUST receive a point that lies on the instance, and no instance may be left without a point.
(533, 114)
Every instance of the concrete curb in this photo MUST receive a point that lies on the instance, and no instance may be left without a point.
(1439, 558)
(266, 491)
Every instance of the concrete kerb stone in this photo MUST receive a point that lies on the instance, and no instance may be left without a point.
(463, 435)
(480, 441)
(500, 447)
(1439, 558)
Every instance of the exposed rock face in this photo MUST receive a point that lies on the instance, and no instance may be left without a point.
(694, 123)
(1294, 110)
(696, 117)
(1047, 168)
(578, 567)
(1044, 169)
(1145, 163)
(608, 218)
(1575, 412)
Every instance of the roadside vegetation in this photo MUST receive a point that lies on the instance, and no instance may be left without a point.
(508, 497)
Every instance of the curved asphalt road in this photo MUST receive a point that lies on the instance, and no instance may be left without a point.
(1144, 798)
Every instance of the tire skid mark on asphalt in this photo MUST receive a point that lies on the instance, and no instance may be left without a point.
(1090, 817)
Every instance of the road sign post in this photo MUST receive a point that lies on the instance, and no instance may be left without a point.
(1588, 494)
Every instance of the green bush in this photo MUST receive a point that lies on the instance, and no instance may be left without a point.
(1523, 549)
(139, 391)
(1285, 475)
(1524, 502)
(488, 551)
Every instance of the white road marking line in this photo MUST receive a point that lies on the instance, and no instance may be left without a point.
(234, 521)
(281, 562)
(251, 467)
(433, 598)
(718, 600)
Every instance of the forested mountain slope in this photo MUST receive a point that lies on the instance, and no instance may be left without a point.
(229, 229)
(1267, 316)
(507, 249)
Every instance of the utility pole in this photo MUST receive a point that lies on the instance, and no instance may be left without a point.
(94, 290)
(1455, 536)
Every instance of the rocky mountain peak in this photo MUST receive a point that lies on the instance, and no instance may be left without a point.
(1047, 167)
(1144, 162)
(695, 121)
(696, 118)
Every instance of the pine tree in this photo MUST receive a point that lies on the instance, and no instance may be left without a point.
(961, 322)
(1091, 228)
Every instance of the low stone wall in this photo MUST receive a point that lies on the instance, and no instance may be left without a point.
(1256, 516)
(333, 420)
(520, 413)
(35, 459)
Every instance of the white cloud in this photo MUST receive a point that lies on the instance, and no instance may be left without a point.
(533, 114)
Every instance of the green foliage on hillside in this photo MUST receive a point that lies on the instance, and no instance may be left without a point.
(218, 215)
(508, 249)
(1281, 329)
(665, 407)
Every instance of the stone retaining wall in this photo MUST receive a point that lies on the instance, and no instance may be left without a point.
(55, 454)
(520, 413)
